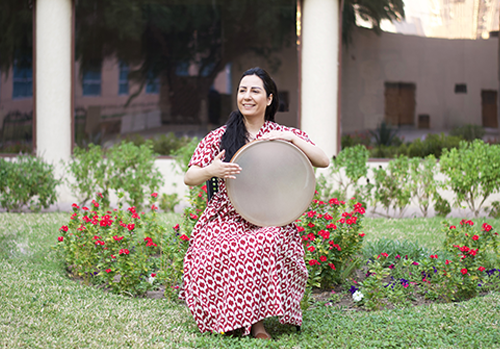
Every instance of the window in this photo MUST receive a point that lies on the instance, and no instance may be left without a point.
(23, 80)
(123, 79)
(91, 82)
(153, 84)
(460, 88)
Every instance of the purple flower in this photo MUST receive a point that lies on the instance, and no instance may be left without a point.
(353, 289)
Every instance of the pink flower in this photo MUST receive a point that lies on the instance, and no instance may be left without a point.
(154, 195)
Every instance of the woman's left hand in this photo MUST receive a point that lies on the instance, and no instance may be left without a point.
(282, 135)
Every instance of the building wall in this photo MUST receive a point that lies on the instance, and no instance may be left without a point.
(433, 65)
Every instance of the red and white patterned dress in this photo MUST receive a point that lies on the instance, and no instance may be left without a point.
(236, 273)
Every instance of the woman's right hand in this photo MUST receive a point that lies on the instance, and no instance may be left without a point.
(221, 169)
(197, 175)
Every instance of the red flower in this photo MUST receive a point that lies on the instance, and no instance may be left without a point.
(176, 227)
(322, 258)
(100, 195)
(311, 225)
(193, 216)
(481, 268)
(85, 208)
(118, 238)
(184, 237)
(463, 271)
(331, 226)
(469, 222)
(311, 214)
(331, 265)
(453, 227)
(113, 256)
(64, 228)
(75, 206)
(327, 217)
(311, 248)
(341, 220)
(136, 216)
(383, 254)
(361, 234)
(154, 195)
(131, 226)
(132, 209)
(108, 270)
(313, 262)
(486, 227)
(434, 256)
(333, 201)
(473, 252)
(60, 238)
(475, 237)
(300, 229)
(123, 251)
(447, 262)
(204, 188)
(153, 275)
(154, 207)
(95, 203)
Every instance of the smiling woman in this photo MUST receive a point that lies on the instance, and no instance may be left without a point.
(236, 274)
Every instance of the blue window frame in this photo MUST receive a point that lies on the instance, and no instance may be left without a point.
(91, 82)
(123, 79)
(23, 81)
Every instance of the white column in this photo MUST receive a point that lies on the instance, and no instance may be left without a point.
(319, 75)
(53, 79)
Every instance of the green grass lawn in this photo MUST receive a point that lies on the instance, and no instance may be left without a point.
(41, 308)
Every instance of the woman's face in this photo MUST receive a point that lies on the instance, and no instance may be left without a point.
(252, 97)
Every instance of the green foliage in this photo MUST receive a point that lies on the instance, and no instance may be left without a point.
(132, 173)
(125, 168)
(441, 205)
(495, 209)
(434, 144)
(352, 161)
(393, 187)
(169, 201)
(393, 248)
(27, 181)
(163, 144)
(331, 234)
(351, 140)
(184, 154)
(384, 134)
(423, 184)
(468, 132)
(473, 172)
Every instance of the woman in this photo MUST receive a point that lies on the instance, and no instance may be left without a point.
(235, 273)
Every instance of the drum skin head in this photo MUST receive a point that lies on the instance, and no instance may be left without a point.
(276, 183)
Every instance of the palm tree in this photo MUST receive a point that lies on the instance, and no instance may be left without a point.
(373, 11)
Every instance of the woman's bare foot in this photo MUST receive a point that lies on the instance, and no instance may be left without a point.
(259, 331)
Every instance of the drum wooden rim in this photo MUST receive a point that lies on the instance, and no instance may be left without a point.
(306, 192)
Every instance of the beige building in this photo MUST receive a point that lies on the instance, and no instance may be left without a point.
(418, 81)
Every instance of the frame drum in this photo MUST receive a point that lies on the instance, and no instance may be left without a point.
(276, 183)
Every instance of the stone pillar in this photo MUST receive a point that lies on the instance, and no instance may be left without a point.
(53, 79)
(319, 72)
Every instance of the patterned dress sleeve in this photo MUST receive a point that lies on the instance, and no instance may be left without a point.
(207, 149)
(300, 133)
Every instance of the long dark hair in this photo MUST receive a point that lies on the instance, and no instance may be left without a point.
(236, 133)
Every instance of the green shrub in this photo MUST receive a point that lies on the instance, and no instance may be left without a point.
(184, 154)
(441, 205)
(169, 201)
(27, 181)
(394, 248)
(423, 184)
(162, 145)
(473, 172)
(393, 187)
(353, 161)
(432, 145)
(384, 134)
(125, 168)
(468, 132)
